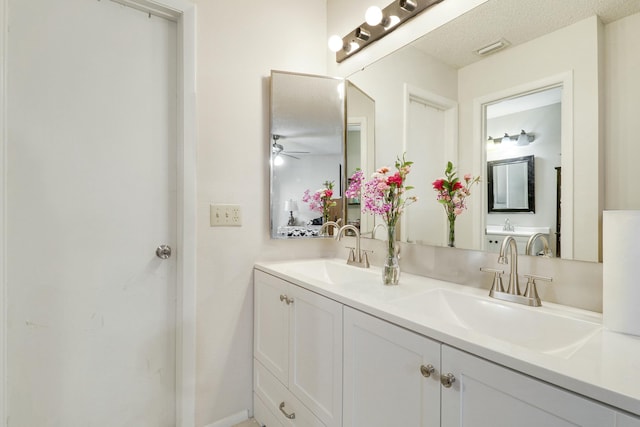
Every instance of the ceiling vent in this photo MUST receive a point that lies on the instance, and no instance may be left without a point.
(492, 48)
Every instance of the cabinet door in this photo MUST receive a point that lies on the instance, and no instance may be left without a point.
(383, 383)
(315, 357)
(488, 395)
(271, 324)
(623, 420)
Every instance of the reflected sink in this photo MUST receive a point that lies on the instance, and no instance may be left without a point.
(331, 271)
(532, 328)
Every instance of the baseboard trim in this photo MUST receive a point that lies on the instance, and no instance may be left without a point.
(231, 420)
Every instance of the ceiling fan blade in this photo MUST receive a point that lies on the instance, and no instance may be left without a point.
(289, 155)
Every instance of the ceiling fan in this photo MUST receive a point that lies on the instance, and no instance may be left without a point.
(278, 149)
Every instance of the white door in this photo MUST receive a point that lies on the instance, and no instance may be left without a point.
(91, 194)
(431, 125)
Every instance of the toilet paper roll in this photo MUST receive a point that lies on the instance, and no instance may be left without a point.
(620, 272)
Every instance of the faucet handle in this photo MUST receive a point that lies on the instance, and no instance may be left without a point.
(530, 291)
(365, 257)
(352, 254)
(497, 279)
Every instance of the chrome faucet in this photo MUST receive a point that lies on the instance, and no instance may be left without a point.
(546, 252)
(326, 225)
(355, 258)
(530, 296)
(510, 242)
(381, 225)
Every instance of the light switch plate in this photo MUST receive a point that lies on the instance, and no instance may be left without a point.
(225, 215)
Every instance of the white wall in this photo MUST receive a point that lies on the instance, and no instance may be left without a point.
(237, 48)
(573, 49)
(622, 150)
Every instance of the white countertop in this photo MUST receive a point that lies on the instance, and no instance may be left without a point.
(606, 367)
(518, 231)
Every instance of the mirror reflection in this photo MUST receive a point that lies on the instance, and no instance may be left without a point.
(511, 184)
(307, 153)
(440, 77)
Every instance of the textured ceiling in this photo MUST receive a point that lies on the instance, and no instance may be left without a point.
(517, 21)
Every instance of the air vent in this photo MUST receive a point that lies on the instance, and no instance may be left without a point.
(492, 48)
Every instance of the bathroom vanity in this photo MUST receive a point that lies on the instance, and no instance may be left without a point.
(333, 347)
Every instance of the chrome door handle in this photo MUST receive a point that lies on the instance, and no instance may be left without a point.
(291, 416)
(426, 371)
(163, 251)
(447, 380)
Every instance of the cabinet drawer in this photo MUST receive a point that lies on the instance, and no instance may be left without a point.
(262, 414)
(273, 394)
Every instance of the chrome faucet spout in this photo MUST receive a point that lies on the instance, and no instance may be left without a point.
(545, 249)
(358, 259)
(510, 243)
(357, 233)
(326, 226)
(378, 225)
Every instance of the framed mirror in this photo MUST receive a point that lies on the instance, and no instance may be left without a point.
(511, 184)
(307, 153)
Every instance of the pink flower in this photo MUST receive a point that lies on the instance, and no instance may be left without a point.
(468, 177)
(458, 211)
(438, 184)
(457, 186)
(383, 170)
(395, 179)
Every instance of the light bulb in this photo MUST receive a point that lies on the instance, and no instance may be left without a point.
(278, 161)
(335, 43)
(373, 15)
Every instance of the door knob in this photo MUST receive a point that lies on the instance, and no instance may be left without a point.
(163, 251)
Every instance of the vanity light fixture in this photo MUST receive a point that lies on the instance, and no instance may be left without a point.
(523, 138)
(378, 23)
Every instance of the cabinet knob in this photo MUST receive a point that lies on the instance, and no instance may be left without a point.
(286, 299)
(291, 416)
(447, 380)
(426, 371)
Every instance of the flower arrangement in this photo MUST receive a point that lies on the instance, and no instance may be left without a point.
(452, 194)
(384, 193)
(320, 200)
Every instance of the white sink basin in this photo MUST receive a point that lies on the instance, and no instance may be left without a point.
(532, 328)
(332, 271)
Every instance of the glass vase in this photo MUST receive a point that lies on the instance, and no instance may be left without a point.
(391, 267)
(452, 233)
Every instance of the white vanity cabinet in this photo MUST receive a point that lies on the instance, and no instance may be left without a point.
(391, 375)
(485, 394)
(297, 353)
(384, 386)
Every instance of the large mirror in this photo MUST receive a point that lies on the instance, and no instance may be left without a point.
(434, 96)
(307, 153)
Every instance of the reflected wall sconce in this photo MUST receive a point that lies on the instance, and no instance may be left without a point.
(522, 138)
(378, 23)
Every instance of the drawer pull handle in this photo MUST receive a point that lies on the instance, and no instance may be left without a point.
(291, 416)
(286, 299)
(426, 371)
(447, 380)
